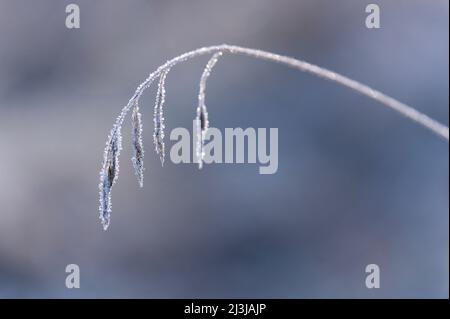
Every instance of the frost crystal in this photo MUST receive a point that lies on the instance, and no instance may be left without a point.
(109, 174)
(202, 122)
(138, 148)
(158, 118)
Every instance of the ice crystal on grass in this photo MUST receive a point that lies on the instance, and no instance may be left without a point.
(202, 121)
(158, 119)
(138, 148)
(109, 174)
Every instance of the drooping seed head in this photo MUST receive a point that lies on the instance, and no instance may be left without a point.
(202, 113)
(158, 118)
(137, 143)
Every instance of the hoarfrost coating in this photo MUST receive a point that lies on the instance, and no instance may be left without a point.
(110, 166)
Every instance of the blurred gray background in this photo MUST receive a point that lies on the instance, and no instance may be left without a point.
(356, 184)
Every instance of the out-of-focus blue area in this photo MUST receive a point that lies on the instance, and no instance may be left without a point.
(356, 183)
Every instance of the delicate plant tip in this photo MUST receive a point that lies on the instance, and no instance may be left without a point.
(109, 174)
(158, 118)
(202, 125)
(202, 121)
(137, 142)
(110, 166)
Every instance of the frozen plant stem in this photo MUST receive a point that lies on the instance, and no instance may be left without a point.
(110, 167)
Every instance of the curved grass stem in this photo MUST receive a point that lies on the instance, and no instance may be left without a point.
(109, 171)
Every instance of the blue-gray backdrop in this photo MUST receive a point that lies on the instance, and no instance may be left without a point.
(356, 184)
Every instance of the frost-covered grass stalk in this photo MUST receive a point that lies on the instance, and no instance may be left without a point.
(158, 118)
(202, 122)
(110, 167)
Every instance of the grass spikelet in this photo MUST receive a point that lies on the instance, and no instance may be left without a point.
(137, 143)
(158, 118)
(202, 121)
(109, 174)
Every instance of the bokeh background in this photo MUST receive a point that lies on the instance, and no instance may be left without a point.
(356, 183)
